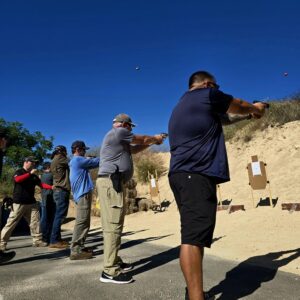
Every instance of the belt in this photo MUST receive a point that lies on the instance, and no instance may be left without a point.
(104, 176)
(60, 188)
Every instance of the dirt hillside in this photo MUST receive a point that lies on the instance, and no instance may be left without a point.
(255, 231)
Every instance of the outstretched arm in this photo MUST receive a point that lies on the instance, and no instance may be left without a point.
(147, 140)
(228, 119)
(241, 107)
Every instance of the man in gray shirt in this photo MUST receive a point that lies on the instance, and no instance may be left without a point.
(115, 169)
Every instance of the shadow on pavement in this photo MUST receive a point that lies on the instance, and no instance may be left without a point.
(57, 254)
(247, 277)
(154, 261)
(141, 241)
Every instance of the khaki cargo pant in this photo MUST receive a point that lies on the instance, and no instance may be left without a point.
(112, 218)
(82, 223)
(32, 216)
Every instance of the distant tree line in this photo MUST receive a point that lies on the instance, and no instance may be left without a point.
(21, 143)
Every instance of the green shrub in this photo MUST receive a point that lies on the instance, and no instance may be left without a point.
(6, 181)
(147, 161)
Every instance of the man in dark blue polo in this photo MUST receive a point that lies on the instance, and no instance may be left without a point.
(198, 163)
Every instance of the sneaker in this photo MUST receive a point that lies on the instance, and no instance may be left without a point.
(122, 278)
(40, 244)
(126, 267)
(5, 257)
(207, 296)
(81, 255)
(59, 245)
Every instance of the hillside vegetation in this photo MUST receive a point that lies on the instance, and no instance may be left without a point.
(279, 113)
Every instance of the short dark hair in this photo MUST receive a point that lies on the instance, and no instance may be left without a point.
(200, 76)
(59, 149)
(78, 145)
(46, 165)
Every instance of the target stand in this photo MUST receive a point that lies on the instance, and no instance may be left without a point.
(226, 204)
(154, 191)
(258, 177)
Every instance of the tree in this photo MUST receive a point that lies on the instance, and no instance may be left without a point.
(22, 143)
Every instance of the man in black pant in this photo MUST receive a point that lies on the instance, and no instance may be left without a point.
(4, 256)
(198, 163)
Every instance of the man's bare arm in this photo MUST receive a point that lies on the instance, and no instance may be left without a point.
(147, 140)
(241, 107)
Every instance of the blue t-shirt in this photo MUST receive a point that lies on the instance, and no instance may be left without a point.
(195, 134)
(81, 182)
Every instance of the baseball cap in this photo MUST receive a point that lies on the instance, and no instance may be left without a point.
(31, 159)
(123, 118)
(79, 144)
(60, 148)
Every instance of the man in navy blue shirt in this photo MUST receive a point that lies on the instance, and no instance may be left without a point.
(198, 163)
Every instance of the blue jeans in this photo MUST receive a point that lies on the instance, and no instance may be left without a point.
(47, 214)
(61, 199)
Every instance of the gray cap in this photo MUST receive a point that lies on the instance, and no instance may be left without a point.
(123, 118)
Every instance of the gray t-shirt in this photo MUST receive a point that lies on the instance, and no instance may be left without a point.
(115, 153)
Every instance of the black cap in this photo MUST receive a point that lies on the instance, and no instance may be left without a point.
(60, 148)
(123, 118)
(31, 159)
(79, 144)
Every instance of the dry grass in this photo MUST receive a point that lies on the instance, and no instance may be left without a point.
(147, 161)
(279, 113)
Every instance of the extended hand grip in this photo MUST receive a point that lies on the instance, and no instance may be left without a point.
(267, 105)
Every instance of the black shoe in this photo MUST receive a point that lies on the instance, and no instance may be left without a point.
(126, 267)
(207, 296)
(122, 278)
(5, 257)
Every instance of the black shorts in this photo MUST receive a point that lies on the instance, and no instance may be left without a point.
(196, 199)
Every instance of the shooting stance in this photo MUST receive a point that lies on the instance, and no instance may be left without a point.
(24, 203)
(198, 163)
(116, 168)
(82, 189)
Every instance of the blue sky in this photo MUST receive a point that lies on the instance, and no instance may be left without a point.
(68, 67)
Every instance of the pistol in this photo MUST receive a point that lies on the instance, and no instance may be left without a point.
(164, 135)
(267, 105)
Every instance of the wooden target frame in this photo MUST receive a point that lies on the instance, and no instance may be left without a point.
(257, 174)
(154, 186)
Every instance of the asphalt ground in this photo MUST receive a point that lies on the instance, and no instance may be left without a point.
(43, 273)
